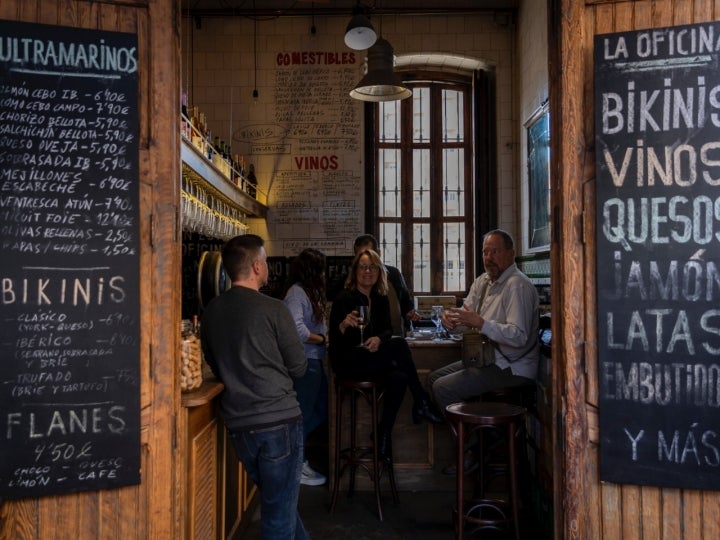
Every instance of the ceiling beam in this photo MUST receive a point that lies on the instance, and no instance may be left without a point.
(336, 12)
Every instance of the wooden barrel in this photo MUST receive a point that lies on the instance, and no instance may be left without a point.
(211, 278)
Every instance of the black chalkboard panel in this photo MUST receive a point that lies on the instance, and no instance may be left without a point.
(338, 268)
(69, 348)
(278, 270)
(657, 133)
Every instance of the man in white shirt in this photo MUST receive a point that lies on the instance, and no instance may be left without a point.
(503, 305)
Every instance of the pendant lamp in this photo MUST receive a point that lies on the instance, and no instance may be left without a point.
(360, 34)
(380, 83)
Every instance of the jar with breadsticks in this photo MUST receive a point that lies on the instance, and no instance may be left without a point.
(191, 376)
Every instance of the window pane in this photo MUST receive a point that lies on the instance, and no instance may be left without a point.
(389, 173)
(421, 115)
(421, 258)
(421, 183)
(389, 121)
(454, 256)
(452, 118)
(453, 182)
(390, 244)
(424, 186)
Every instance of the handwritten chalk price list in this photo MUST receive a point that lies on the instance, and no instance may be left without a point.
(69, 212)
(658, 240)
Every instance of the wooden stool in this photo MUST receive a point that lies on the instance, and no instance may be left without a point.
(466, 418)
(355, 454)
(524, 395)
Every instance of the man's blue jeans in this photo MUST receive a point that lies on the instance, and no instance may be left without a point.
(272, 457)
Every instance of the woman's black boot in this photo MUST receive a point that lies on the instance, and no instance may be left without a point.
(426, 410)
(384, 442)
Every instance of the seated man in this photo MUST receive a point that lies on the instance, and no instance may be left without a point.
(503, 305)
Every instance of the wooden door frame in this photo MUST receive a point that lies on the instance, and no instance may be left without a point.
(569, 171)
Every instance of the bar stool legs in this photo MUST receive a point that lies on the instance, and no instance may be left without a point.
(355, 454)
(483, 513)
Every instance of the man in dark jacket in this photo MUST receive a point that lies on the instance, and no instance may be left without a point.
(251, 345)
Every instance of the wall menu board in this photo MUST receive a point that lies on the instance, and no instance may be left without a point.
(311, 151)
(657, 147)
(69, 295)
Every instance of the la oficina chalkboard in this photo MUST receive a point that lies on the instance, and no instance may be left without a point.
(69, 351)
(657, 148)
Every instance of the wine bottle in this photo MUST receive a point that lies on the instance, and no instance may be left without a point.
(217, 156)
(236, 169)
(251, 181)
(208, 144)
(184, 115)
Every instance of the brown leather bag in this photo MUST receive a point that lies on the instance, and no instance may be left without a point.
(477, 350)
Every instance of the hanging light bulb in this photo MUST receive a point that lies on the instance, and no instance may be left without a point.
(359, 34)
(380, 83)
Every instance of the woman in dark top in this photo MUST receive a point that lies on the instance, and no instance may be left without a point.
(381, 357)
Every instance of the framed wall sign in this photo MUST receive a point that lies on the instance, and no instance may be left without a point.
(538, 162)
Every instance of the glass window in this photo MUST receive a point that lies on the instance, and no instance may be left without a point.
(423, 187)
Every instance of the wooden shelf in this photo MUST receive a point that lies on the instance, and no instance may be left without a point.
(201, 171)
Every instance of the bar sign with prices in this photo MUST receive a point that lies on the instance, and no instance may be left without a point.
(69, 293)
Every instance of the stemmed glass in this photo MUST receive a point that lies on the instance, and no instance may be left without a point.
(363, 315)
(436, 317)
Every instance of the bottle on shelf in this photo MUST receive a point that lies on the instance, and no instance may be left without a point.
(208, 144)
(251, 181)
(217, 156)
(228, 161)
(184, 121)
(196, 126)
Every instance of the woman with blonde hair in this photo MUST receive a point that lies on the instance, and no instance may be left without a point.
(380, 356)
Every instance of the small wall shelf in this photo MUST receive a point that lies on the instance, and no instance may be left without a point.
(198, 170)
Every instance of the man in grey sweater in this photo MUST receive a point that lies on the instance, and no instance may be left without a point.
(250, 343)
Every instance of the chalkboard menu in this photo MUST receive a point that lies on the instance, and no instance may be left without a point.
(69, 345)
(657, 147)
(278, 271)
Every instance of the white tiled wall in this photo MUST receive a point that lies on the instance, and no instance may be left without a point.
(533, 84)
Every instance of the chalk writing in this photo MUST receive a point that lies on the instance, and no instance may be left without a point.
(69, 295)
(314, 140)
(657, 113)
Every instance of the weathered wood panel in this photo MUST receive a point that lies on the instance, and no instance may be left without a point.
(151, 509)
(588, 508)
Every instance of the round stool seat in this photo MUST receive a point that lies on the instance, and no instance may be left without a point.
(466, 418)
(487, 413)
(357, 385)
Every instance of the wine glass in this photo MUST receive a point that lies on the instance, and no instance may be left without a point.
(436, 317)
(363, 315)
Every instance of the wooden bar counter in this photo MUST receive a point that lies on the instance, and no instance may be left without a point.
(219, 494)
(420, 451)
